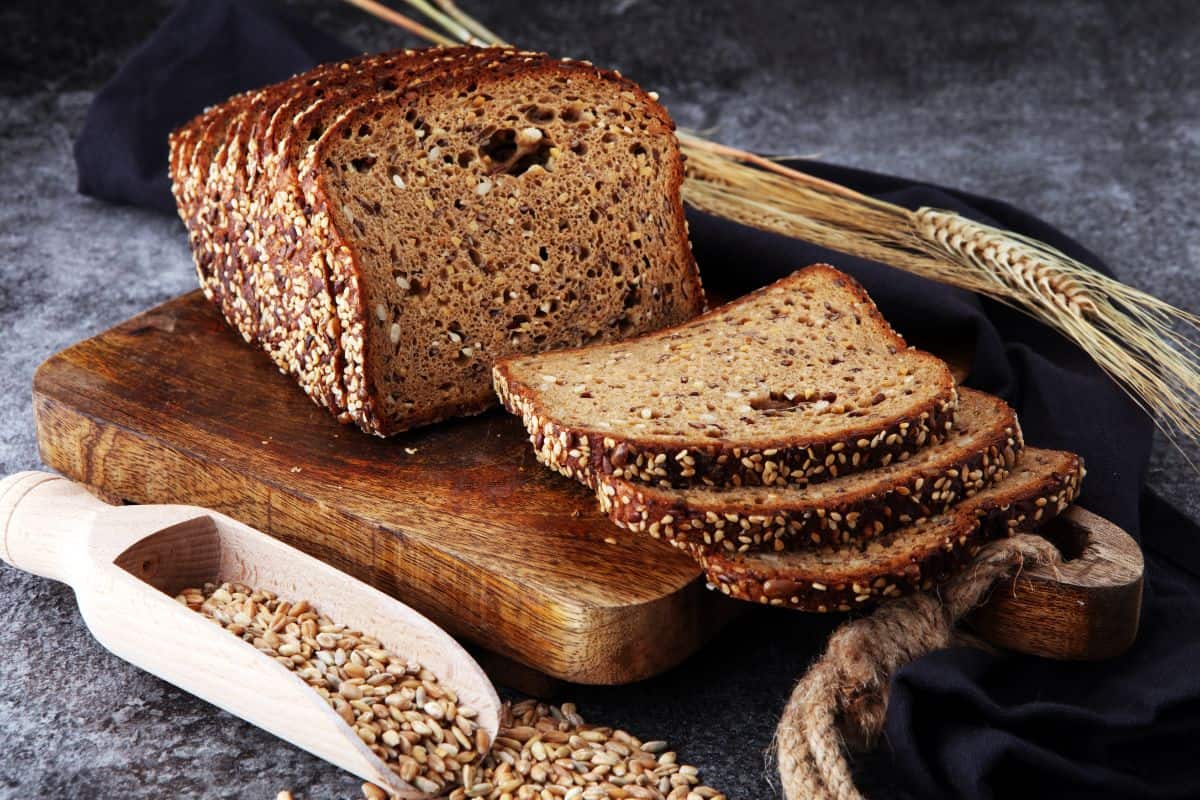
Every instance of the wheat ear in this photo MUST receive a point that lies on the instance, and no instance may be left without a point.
(1148, 346)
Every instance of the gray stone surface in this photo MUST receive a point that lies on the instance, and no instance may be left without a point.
(1087, 114)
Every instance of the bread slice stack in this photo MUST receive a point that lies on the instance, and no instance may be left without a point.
(387, 227)
(793, 444)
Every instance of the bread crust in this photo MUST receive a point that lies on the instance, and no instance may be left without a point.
(1005, 509)
(265, 250)
(584, 453)
(784, 519)
(197, 146)
(353, 300)
(304, 307)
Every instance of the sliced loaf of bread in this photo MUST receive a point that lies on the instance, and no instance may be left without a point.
(979, 451)
(917, 557)
(798, 382)
(304, 332)
(386, 242)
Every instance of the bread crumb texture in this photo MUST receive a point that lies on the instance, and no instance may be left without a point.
(389, 227)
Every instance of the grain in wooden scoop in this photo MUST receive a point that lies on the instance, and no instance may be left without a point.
(397, 707)
(413, 723)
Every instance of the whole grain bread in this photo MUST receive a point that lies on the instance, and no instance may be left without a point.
(275, 300)
(290, 213)
(303, 223)
(917, 557)
(305, 333)
(979, 451)
(798, 382)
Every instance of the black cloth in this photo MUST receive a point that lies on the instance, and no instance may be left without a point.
(961, 723)
(202, 54)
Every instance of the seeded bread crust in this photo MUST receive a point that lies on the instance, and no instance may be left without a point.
(215, 199)
(915, 558)
(585, 453)
(246, 216)
(353, 303)
(298, 155)
(854, 508)
(305, 323)
(198, 143)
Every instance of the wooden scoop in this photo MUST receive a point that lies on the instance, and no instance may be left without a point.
(127, 563)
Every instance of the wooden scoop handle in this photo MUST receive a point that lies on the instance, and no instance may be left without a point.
(1086, 608)
(44, 519)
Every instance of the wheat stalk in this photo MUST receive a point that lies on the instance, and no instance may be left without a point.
(1148, 346)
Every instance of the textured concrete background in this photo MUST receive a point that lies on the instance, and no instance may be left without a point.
(1087, 114)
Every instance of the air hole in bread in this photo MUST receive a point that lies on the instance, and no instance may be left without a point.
(540, 114)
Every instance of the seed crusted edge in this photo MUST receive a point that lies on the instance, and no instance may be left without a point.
(581, 453)
(853, 517)
(845, 591)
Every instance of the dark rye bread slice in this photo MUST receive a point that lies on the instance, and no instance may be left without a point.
(297, 323)
(979, 451)
(521, 206)
(305, 305)
(236, 236)
(917, 557)
(271, 303)
(797, 382)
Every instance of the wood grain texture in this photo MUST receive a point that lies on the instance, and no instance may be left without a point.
(1086, 608)
(457, 520)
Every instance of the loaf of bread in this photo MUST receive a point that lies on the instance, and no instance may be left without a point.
(387, 228)
(980, 450)
(798, 382)
(916, 557)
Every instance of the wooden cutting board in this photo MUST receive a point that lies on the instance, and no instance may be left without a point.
(457, 520)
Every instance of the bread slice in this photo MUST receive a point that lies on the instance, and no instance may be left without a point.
(979, 451)
(389, 298)
(312, 330)
(270, 287)
(795, 383)
(917, 557)
(261, 301)
(297, 320)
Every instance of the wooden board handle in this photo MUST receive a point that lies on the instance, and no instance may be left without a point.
(43, 518)
(1086, 608)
